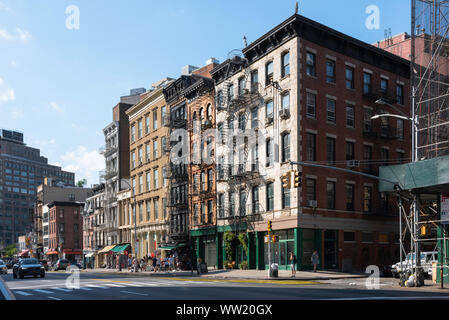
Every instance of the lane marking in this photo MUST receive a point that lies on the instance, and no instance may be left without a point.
(63, 289)
(54, 298)
(114, 285)
(135, 285)
(23, 293)
(43, 291)
(95, 286)
(291, 282)
(86, 289)
(140, 294)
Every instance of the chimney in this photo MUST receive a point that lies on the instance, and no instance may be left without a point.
(187, 70)
(212, 61)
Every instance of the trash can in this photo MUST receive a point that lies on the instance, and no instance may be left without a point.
(274, 270)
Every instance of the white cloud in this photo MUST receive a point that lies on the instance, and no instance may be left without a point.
(6, 94)
(23, 35)
(56, 107)
(4, 34)
(86, 164)
(17, 113)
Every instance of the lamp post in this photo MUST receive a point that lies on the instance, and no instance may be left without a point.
(133, 196)
(415, 124)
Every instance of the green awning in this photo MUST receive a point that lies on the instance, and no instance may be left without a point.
(120, 248)
(171, 246)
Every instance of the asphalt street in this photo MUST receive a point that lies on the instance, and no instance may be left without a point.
(129, 287)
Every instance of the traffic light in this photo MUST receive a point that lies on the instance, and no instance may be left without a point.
(423, 230)
(286, 180)
(269, 226)
(298, 179)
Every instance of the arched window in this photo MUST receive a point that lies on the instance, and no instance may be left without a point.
(201, 114)
(194, 115)
(209, 112)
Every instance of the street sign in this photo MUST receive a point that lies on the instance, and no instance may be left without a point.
(445, 208)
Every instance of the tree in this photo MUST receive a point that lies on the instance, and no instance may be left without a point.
(81, 183)
(10, 250)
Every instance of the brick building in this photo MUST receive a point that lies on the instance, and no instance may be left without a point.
(66, 230)
(308, 92)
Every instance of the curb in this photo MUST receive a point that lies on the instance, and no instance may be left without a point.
(140, 274)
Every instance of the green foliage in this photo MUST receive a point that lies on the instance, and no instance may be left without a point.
(243, 239)
(244, 265)
(81, 183)
(229, 239)
(10, 250)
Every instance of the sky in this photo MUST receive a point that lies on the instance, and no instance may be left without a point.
(59, 80)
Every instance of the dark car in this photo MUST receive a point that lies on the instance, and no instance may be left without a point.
(28, 267)
(10, 263)
(61, 264)
(44, 263)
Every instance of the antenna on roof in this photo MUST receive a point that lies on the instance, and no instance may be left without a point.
(244, 41)
(296, 8)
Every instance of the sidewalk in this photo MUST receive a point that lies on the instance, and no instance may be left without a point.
(237, 274)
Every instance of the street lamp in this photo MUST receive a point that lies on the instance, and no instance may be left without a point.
(415, 124)
(133, 196)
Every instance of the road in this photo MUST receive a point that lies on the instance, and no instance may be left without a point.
(129, 287)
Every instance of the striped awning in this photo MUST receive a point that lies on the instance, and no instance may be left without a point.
(106, 249)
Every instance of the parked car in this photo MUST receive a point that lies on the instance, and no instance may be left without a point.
(3, 268)
(44, 263)
(61, 264)
(408, 264)
(28, 267)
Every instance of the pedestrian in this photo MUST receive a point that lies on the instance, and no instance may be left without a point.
(142, 265)
(171, 263)
(158, 263)
(315, 259)
(129, 263)
(293, 264)
(154, 263)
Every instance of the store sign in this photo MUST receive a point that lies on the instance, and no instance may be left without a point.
(445, 208)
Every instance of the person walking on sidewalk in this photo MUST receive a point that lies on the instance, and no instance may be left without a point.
(293, 264)
(315, 259)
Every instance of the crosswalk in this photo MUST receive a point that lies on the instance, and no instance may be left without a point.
(100, 285)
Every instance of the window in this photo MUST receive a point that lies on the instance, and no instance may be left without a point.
(231, 92)
(367, 193)
(270, 196)
(156, 208)
(163, 115)
(349, 237)
(350, 116)
(330, 71)
(330, 195)
(311, 64)
(367, 157)
(384, 87)
(349, 78)
(140, 153)
(210, 206)
(148, 181)
(285, 64)
(269, 109)
(164, 143)
(155, 149)
(255, 199)
(164, 207)
(384, 156)
(400, 157)
(366, 83)
(311, 189)
(311, 105)
(269, 149)
(147, 206)
(400, 129)
(286, 101)
(231, 204)
(133, 160)
(331, 117)
(254, 81)
(311, 147)
(140, 184)
(254, 119)
(133, 133)
(139, 129)
(285, 147)
(140, 211)
(350, 150)
(147, 124)
(241, 86)
(331, 145)
(367, 237)
(400, 94)
(156, 178)
(268, 73)
(221, 205)
(242, 199)
(367, 122)
(285, 197)
(384, 202)
(242, 121)
(154, 119)
(209, 179)
(349, 197)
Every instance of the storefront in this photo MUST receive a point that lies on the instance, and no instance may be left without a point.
(73, 255)
(101, 260)
(52, 256)
(205, 246)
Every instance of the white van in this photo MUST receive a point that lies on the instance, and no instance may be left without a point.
(427, 257)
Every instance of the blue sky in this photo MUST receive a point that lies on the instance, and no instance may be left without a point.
(58, 86)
